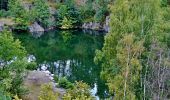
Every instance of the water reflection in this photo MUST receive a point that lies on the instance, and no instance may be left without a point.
(37, 34)
(68, 53)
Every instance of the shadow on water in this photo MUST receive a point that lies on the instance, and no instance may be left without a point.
(68, 53)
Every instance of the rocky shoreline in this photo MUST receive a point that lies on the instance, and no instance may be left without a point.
(35, 79)
(36, 27)
(98, 26)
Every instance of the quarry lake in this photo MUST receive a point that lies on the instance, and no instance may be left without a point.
(68, 53)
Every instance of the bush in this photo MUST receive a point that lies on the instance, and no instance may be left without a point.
(32, 66)
(47, 93)
(164, 3)
(81, 91)
(69, 85)
(87, 12)
(20, 24)
(4, 13)
(16, 9)
(12, 74)
(56, 78)
(4, 97)
(41, 12)
(100, 14)
(64, 83)
(68, 16)
(20, 15)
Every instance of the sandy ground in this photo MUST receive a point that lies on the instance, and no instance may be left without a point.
(6, 21)
(33, 82)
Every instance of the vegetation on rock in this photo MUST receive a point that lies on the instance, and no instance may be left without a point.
(135, 56)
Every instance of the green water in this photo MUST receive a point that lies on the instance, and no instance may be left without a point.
(67, 53)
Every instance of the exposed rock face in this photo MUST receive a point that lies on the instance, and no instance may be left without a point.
(35, 27)
(92, 25)
(98, 26)
(1, 26)
(33, 82)
(93, 32)
(106, 25)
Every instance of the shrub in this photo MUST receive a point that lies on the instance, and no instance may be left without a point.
(69, 85)
(12, 74)
(16, 9)
(20, 15)
(56, 78)
(20, 24)
(81, 91)
(47, 93)
(32, 66)
(41, 12)
(4, 13)
(68, 16)
(87, 12)
(4, 97)
(64, 83)
(100, 14)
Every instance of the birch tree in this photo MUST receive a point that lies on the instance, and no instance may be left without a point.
(143, 18)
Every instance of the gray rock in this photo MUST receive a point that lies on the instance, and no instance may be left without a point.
(106, 25)
(97, 25)
(93, 26)
(36, 28)
(1, 26)
(37, 34)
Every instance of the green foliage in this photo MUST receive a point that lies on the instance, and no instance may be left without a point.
(12, 78)
(56, 78)
(64, 83)
(13, 65)
(68, 16)
(81, 91)
(21, 24)
(66, 23)
(47, 93)
(87, 12)
(32, 66)
(100, 14)
(41, 12)
(10, 48)
(164, 3)
(67, 37)
(20, 15)
(15, 8)
(101, 10)
(123, 72)
(4, 97)
(4, 13)
(128, 51)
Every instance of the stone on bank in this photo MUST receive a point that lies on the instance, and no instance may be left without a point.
(35, 27)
